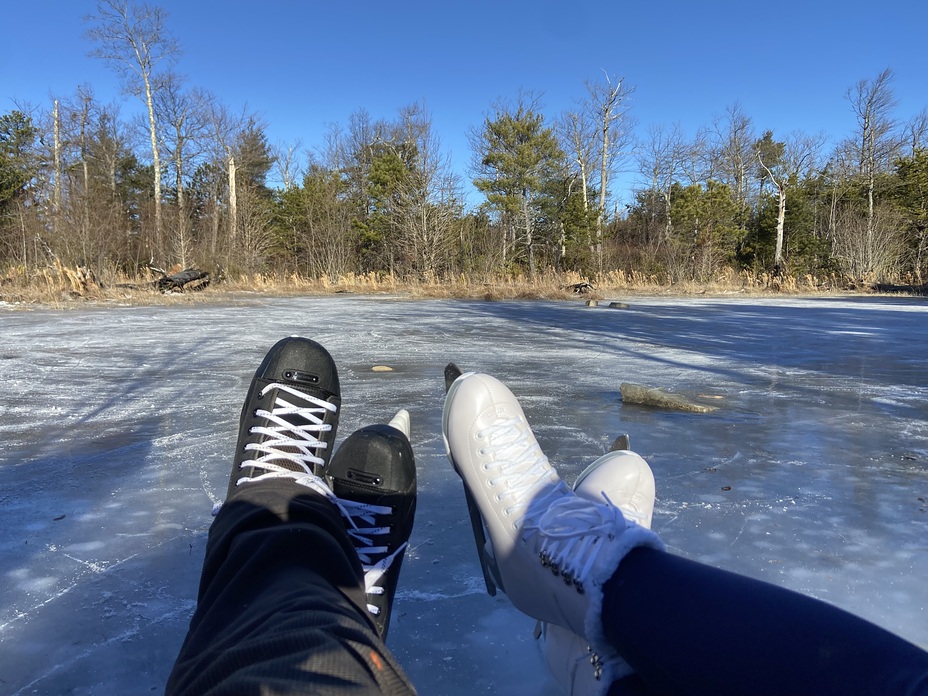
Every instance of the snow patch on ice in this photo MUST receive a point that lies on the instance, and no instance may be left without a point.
(85, 547)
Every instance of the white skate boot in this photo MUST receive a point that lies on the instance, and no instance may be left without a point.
(624, 479)
(548, 548)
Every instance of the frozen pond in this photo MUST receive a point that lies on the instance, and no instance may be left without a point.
(119, 425)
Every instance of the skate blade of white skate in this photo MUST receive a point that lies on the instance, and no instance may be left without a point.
(487, 562)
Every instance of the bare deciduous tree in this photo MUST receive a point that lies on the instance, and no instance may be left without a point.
(134, 41)
(577, 134)
(610, 101)
(876, 145)
(731, 154)
(288, 171)
(428, 200)
(186, 119)
(84, 101)
(223, 126)
(661, 159)
(254, 237)
(869, 250)
(916, 132)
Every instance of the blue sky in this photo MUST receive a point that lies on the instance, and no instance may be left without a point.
(303, 65)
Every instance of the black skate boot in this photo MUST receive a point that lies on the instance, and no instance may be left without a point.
(373, 474)
(290, 415)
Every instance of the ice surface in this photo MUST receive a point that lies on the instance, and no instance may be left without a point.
(119, 424)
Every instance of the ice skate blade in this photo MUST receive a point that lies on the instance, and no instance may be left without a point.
(487, 564)
(622, 442)
(452, 372)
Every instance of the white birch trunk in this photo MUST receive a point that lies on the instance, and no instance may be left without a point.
(528, 235)
(182, 240)
(603, 183)
(781, 220)
(56, 116)
(155, 155)
(586, 195)
(233, 204)
(781, 211)
(85, 166)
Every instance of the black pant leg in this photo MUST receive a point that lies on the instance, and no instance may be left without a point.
(281, 606)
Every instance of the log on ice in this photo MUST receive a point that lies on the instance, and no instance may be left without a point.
(652, 396)
(186, 280)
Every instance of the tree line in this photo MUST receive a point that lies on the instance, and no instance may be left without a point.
(189, 185)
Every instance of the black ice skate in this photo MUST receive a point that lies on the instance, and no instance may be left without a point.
(290, 415)
(373, 474)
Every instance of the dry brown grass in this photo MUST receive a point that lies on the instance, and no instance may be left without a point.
(61, 287)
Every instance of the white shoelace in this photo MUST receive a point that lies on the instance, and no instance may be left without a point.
(294, 443)
(285, 440)
(361, 537)
(520, 461)
(572, 529)
(364, 543)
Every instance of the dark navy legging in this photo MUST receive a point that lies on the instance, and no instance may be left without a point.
(689, 628)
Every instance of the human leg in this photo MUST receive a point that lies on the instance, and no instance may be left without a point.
(730, 634)
(550, 550)
(678, 608)
(282, 605)
(691, 628)
(625, 480)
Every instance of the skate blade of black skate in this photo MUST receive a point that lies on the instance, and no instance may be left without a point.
(622, 442)
(452, 372)
(486, 563)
